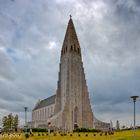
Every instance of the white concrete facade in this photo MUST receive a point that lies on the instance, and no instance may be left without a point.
(71, 107)
(43, 113)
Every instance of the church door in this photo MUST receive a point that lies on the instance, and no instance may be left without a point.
(76, 117)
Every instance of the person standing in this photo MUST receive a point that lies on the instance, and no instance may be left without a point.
(0, 130)
(30, 131)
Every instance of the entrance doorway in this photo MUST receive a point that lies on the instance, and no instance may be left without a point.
(75, 117)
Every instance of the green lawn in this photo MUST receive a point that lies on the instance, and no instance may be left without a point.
(125, 135)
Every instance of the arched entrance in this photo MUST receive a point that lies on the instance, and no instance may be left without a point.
(75, 117)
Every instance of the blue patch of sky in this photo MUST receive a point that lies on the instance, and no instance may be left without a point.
(12, 54)
(17, 36)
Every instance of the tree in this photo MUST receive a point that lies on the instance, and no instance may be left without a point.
(5, 123)
(16, 122)
(10, 122)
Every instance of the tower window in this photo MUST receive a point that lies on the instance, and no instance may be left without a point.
(71, 48)
(66, 48)
(78, 50)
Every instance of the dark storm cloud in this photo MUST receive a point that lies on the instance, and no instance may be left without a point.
(114, 52)
(31, 37)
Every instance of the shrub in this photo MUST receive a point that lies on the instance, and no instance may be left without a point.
(86, 130)
(100, 134)
(39, 130)
(65, 134)
(26, 135)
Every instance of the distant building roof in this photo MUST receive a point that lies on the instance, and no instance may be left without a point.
(46, 102)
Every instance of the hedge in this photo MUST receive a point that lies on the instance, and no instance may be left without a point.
(86, 130)
(39, 130)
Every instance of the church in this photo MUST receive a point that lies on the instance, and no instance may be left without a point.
(70, 107)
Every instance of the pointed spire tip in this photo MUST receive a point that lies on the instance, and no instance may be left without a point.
(70, 16)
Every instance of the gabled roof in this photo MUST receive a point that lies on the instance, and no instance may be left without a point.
(46, 102)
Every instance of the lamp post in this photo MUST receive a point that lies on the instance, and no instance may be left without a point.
(25, 108)
(134, 100)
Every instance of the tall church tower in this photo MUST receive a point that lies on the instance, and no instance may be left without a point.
(72, 104)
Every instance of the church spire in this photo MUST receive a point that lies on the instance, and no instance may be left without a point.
(71, 40)
(72, 107)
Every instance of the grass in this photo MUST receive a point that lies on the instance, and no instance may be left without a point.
(124, 135)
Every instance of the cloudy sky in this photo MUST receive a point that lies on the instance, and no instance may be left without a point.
(31, 37)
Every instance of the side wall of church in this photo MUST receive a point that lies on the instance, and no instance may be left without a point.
(42, 114)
